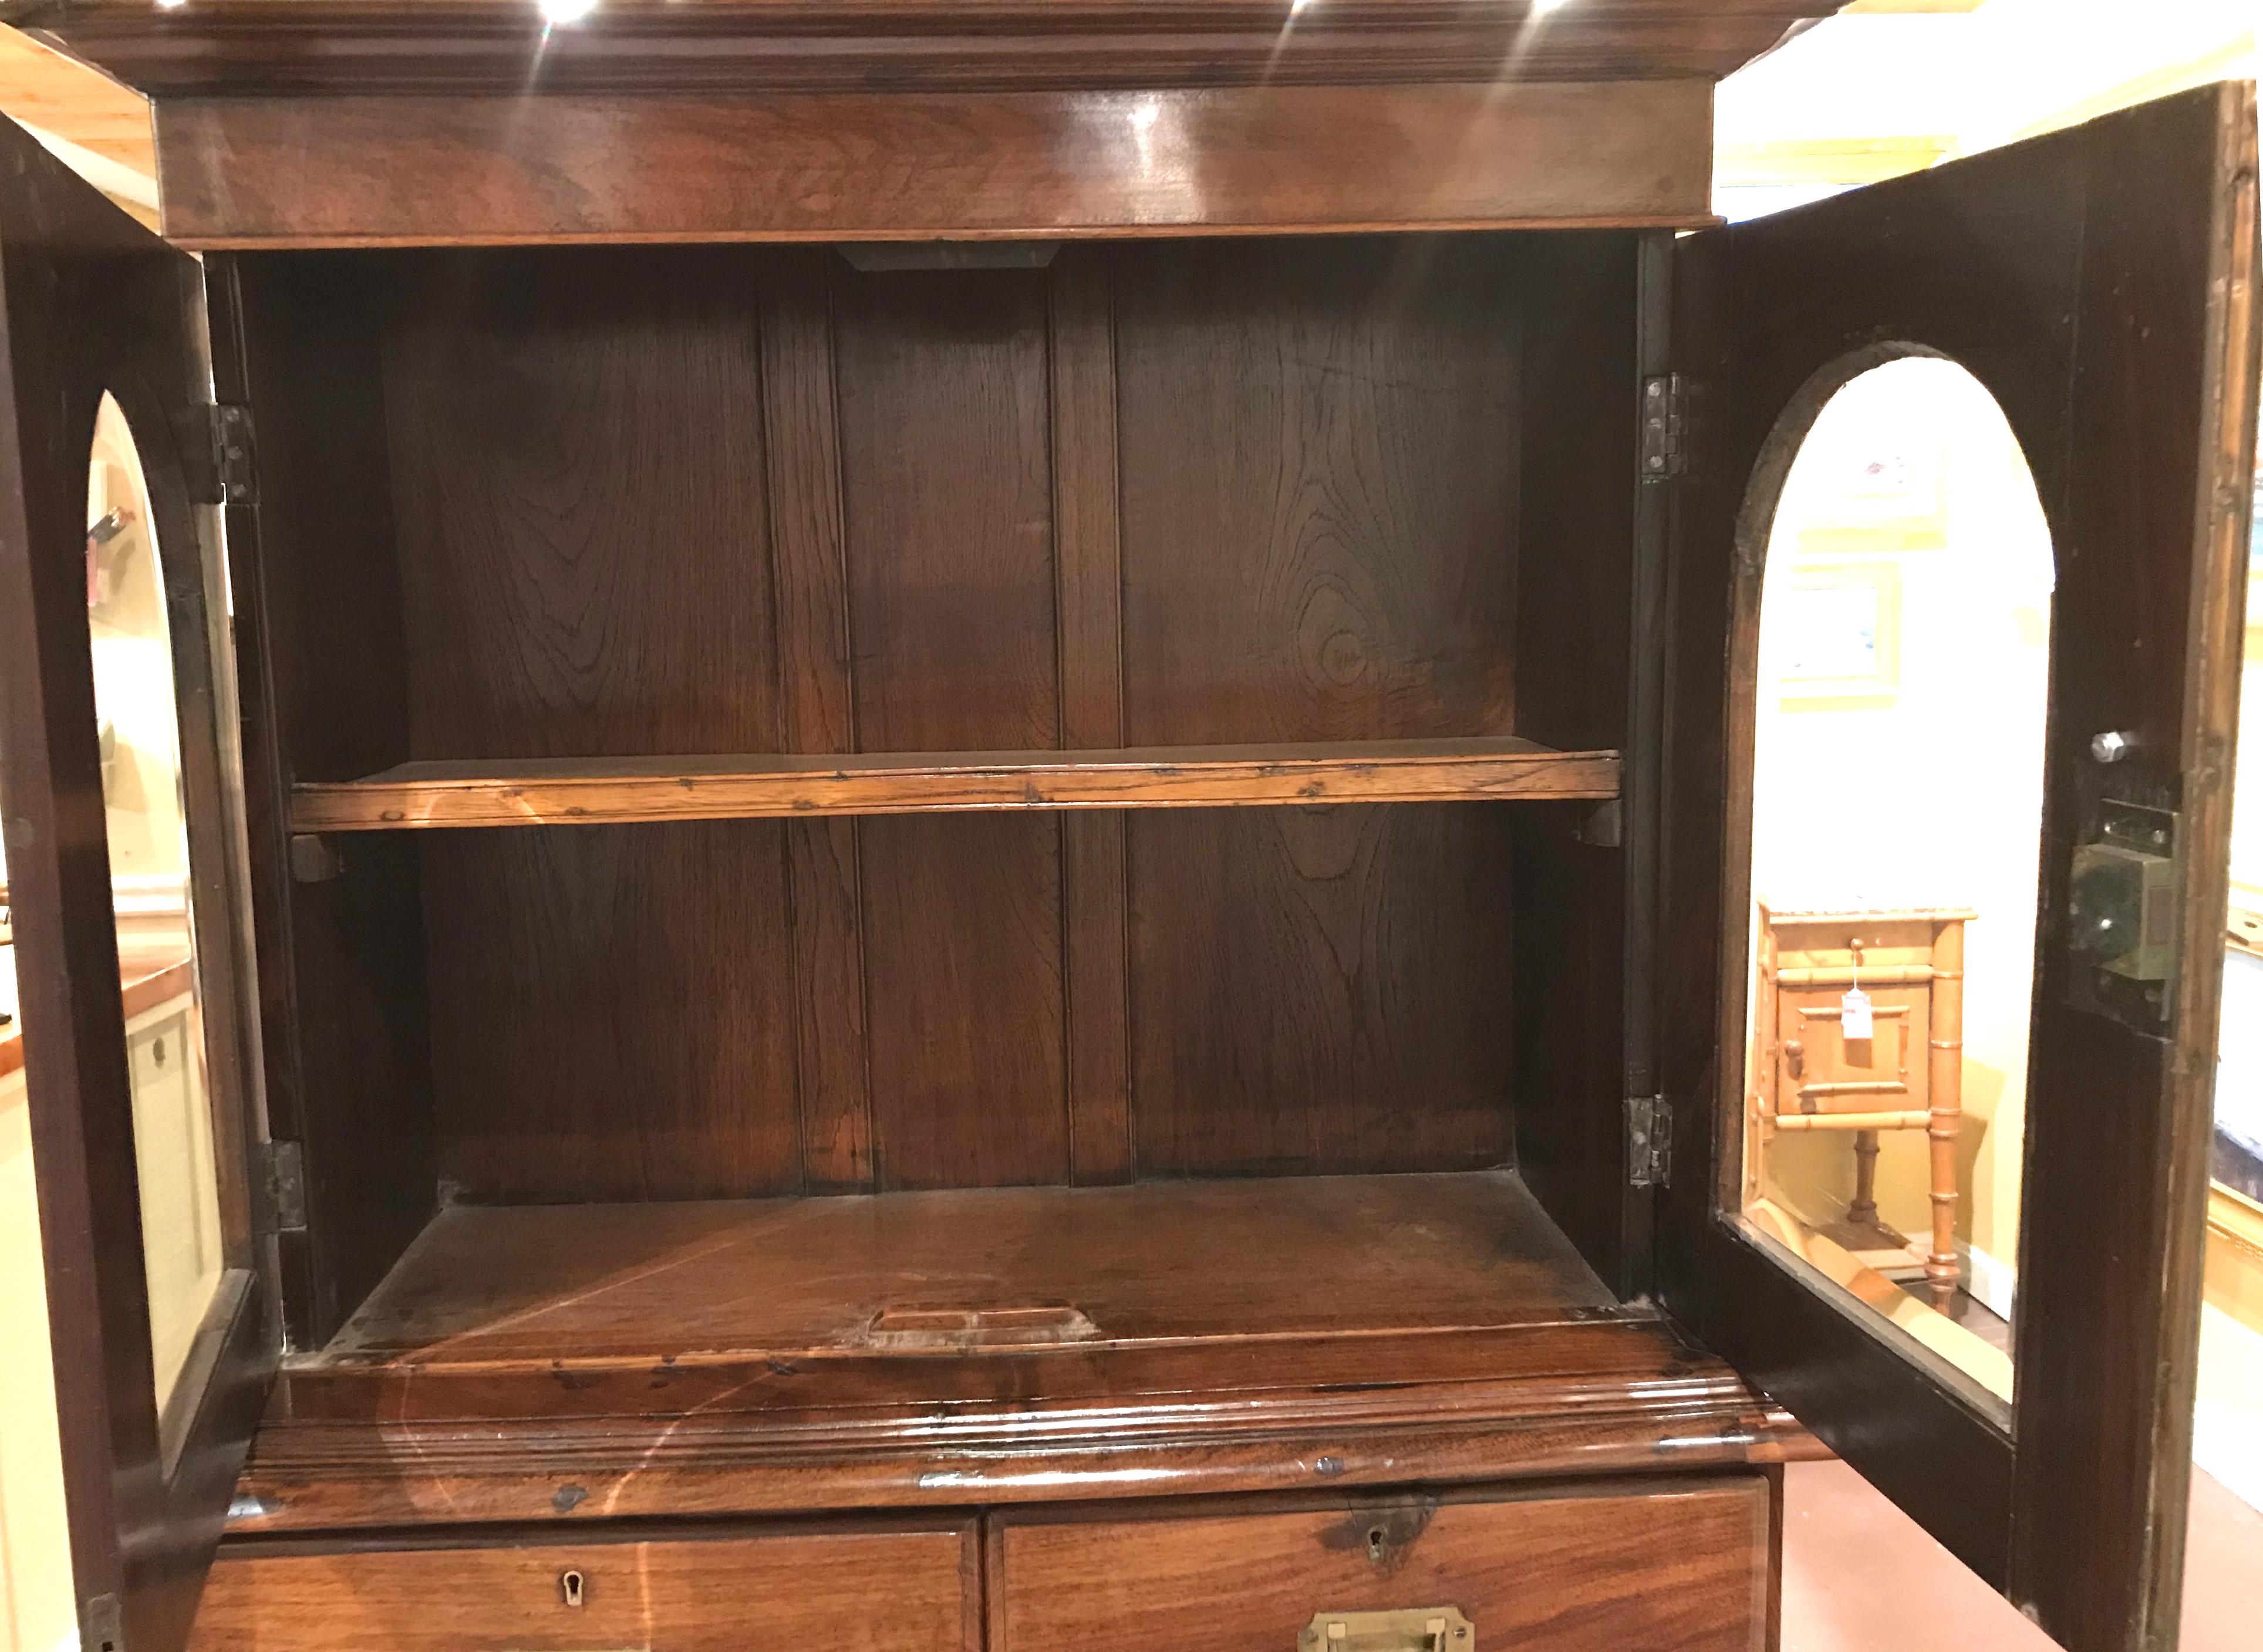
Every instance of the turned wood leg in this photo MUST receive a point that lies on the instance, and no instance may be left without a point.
(1946, 1107)
(1864, 1211)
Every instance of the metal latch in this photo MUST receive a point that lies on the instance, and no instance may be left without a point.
(102, 1626)
(2125, 886)
(1665, 420)
(1414, 1629)
(280, 1194)
(233, 455)
(1650, 1141)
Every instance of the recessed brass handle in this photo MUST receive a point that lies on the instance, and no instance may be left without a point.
(1414, 1629)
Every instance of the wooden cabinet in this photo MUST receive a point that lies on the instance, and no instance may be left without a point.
(975, 770)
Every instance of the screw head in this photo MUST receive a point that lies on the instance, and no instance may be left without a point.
(2113, 745)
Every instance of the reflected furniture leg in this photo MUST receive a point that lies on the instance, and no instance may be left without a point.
(1863, 1210)
(1946, 1104)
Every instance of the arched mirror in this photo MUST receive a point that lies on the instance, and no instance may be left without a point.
(1898, 722)
(145, 817)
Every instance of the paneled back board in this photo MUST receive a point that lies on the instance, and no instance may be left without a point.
(857, 522)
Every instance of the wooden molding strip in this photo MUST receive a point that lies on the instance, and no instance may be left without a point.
(606, 789)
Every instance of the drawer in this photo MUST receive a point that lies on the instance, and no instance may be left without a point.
(906, 1588)
(1678, 1564)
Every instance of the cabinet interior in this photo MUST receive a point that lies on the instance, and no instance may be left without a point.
(620, 1091)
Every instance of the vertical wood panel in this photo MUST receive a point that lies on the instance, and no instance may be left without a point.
(946, 467)
(579, 489)
(800, 427)
(1088, 551)
(1319, 497)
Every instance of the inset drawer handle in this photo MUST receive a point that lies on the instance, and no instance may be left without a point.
(1414, 1629)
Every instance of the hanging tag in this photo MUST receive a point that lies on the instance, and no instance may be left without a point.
(1854, 1015)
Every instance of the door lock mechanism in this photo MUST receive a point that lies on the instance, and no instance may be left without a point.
(2123, 887)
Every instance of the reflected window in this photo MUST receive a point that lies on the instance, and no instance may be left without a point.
(1898, 724)
(144, 810)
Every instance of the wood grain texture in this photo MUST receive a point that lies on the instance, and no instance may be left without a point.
(2088, 279)
(503, 168)
(1653, 1563)
(1319, 485)
(355, 1449)
(324, 682)
(1577, 506)
(801, 432)
(905, 1587)
(1088, 558)
(612, 1015)
(944, 395)
(763, 47)
(595, 791)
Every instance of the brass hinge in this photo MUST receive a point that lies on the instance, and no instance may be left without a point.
(1665, 418)
(279, 1191)
(231, 480)
(1650, 1141)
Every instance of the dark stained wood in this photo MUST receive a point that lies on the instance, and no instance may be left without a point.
(1088, 553)
(944, 395)
(94, 305)
(612, 1016)
(2098, 282)
(637, 1283)
(360, 1448)
(592, 791)
(1681, 1563)
(800, 426)
(324, 685)
(1319, 488)
(501, 168)
(762, 46)
(910, 1586)
(1570, 662)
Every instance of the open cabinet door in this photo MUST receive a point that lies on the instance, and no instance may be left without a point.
(124, 881)
(2098, 283)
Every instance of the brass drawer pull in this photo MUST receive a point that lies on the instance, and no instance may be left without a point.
(1414, 1629)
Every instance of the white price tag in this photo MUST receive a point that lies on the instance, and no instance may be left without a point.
(1854, 1015)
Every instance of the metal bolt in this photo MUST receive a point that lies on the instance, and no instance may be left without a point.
(2113, 745)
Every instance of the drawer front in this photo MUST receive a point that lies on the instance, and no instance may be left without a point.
(1679, 1565)
(895, 1591)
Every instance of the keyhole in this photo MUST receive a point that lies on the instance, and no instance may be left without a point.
(158, 1051)
(1375, 1543)
(570, 1585)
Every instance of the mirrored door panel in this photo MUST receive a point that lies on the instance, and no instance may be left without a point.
(1899, 718)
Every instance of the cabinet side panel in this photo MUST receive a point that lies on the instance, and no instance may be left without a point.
(319, 627)
(944, 406)
(1320, 483)
(1573, 611)
(579, 484)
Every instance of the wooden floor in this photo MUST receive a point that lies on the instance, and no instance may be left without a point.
(936, 1271)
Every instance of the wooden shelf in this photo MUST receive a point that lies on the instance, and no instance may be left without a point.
(588, 792)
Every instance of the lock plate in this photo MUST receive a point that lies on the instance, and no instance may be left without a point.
(1414, 1629)
(2124, 885)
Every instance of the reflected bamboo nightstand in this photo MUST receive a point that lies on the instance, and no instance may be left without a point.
(1907, 1075)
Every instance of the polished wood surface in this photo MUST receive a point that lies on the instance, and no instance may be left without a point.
(305, 171)
(564, 792)
(908, 1586)
(949, 511)
(242, 46)
(610, 1283)
(1682, 1563)
(1600, 1392)
(2099, 282)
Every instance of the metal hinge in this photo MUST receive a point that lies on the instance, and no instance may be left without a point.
(1650, 1141)
(101, 1625)
(1665, 418)
(233, 455)
(280, 1195)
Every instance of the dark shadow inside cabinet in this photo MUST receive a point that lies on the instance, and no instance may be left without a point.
(911, 1078)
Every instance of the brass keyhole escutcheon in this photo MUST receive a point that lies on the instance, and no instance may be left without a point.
(573, 1588)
